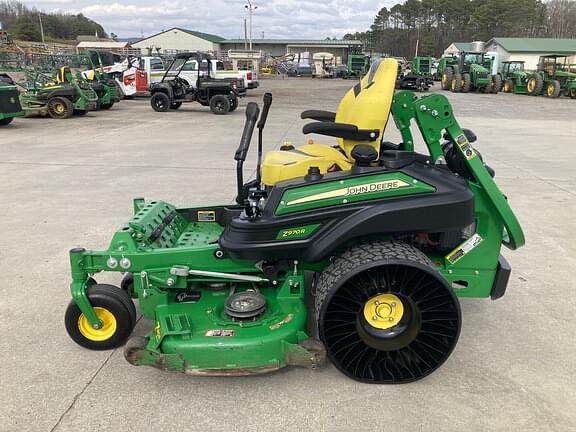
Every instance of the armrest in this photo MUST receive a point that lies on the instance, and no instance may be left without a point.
(318, 115)
(341, 130)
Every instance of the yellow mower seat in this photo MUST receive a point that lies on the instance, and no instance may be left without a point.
(366, 106)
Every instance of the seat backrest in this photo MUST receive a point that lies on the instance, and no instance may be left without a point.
(367, 105)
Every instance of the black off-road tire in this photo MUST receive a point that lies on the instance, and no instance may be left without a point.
(175, 105)
(233, 103)
(466, 82)
(496, 84)
(220, 104)
(538, 84)
(553, 89)
(160, 102)
(456, 84)
(432, 310)
(446, 79)
(6, 121)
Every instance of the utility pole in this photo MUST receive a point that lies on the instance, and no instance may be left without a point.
(251, 8)
(245, 35)
(41, 28)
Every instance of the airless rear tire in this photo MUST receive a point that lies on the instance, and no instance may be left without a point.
(385, 314)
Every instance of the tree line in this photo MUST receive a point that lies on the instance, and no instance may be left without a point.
(435, 24)
(23, 23)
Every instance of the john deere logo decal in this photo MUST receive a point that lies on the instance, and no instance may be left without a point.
(353, 190)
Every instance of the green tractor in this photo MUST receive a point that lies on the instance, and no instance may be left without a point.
(9, 101)
(357, 66)
(60, 97)
(514, 77)
(419, 77)
(444, 71)
(357, 252)
(471, 73)
(552, 78)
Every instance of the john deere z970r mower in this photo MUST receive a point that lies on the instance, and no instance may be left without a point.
(383, 239)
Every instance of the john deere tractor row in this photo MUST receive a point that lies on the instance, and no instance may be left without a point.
(474, 72)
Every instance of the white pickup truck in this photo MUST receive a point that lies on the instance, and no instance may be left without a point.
(155, 70)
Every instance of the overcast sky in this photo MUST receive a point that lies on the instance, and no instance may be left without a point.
(274, 18)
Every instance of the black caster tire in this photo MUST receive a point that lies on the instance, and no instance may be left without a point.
(385, 314)
(118, 317)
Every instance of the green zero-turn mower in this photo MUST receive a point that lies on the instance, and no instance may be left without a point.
(9, 101)
(59, 97)
(358, 252)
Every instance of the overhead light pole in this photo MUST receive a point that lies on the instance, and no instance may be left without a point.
(251, 8)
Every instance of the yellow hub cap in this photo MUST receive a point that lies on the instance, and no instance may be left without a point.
(444, 79)
(98, 335)
(383, 311)
(531, 84)
(59, 108)
(550, 90)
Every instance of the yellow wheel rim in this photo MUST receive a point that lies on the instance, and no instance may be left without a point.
(383, 311)
(531, 84)
(453, 85)
(59, 108)
(550, 90)
(444, 79)
(107, 330)
(506, 87)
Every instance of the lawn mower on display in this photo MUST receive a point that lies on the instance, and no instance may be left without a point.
(221, 95)
(60, 97)
(9, 101)
(357, 252)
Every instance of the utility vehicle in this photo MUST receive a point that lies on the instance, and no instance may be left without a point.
(221, 95)
(390, 238)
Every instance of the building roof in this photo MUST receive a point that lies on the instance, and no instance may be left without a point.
(462, 46)
(102, 44)
(536, 45)
(295, 42)
(206, 36)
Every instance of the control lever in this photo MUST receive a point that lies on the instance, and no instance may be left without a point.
(261, 124)
(252, 112)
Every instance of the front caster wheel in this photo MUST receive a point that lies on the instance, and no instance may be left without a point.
(115, 311)
(386, 315)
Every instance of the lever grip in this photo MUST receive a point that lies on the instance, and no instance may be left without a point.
(252, 112)
(265, 110)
